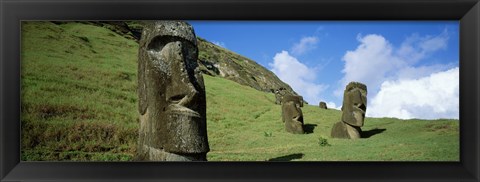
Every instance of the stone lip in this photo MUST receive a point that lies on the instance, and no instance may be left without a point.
(181, 110)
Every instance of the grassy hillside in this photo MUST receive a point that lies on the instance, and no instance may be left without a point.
(244, 124)
(78, 93)
(79, 102)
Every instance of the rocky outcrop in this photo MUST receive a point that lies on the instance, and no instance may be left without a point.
(217, 61)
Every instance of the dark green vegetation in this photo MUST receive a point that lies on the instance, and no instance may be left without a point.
(79, 102)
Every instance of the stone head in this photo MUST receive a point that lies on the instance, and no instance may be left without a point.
(292, 113)
(323, 105)
(171, 89)
(354, 104)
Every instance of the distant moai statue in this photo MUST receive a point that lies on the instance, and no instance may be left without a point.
(353, 112)
(292, 114)
(279, 93)
(323, 105)
(172, 102)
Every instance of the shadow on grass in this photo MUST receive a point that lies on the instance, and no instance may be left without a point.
(287, 157)
(369, 133)
(308, 128)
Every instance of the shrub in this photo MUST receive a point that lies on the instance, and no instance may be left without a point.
(323, 142)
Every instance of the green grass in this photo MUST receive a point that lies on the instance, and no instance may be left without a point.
(79, 103)
(78, 93)
(238, 120)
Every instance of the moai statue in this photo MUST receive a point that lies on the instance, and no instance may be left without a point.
(353, 112)
(279, 93)
(172, 102)
(323, 105)
(292, 114)
(300, 99)
(278, 99)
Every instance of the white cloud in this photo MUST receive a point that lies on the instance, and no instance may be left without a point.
(380, 65)
(301, 78)
(376, 60)
(370, 63)
(305, 44)
(221, 44)
(332, 105)
(431, 97)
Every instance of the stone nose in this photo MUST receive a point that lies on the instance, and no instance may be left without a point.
(181, 90)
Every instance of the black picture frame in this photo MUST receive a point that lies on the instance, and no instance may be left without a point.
(467, 12)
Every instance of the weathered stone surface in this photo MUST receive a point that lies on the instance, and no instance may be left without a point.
(354, 104)
(172, 102)
(238, 68)
(292, 114)
(353, 112)
(323, 105)
(339, 130)
(300, 99)
(279, 93)
(344, 130)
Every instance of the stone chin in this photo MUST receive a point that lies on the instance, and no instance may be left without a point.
(187, 129)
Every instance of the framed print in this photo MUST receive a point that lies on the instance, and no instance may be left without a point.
(262, 90)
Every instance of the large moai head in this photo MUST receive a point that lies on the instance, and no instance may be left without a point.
(292, 114)
(172, 101)
(354, 104)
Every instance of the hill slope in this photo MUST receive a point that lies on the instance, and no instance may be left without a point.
(238, 131)
(79, 102)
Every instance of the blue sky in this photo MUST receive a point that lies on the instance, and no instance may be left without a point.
(409, 67)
